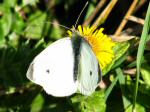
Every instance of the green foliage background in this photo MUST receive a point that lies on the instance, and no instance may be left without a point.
(26, 29)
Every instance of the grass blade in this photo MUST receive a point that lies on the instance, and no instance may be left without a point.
(140, 53)
(108, 91)
(122, 83)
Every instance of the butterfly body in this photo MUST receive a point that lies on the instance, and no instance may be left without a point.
(66, 66)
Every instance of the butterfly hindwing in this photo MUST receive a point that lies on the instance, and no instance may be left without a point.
(89, 69)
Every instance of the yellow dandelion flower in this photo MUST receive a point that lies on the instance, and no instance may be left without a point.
(102, 45)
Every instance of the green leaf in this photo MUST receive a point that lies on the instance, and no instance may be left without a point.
(93, 103)
(6, 21)
(29, 2)
(3, 109)
(56, 33)
(18, 23)
(119, 50)
(35, 25)
(10, 3)
(37, 103)
(138, 108)
(144, 96)
(13, 39)
(145, 73)
(144, 88)
(120, 60)
(2, 37)
(90, 10)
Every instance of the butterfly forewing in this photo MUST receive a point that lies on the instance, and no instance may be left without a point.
(53, 69)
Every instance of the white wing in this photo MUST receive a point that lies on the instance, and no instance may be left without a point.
(53, 69)
(89, 70)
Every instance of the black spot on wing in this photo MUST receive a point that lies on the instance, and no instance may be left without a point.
(90, 73)
(48, 71)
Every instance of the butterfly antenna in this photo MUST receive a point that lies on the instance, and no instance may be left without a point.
(54, 23)
(81, 14)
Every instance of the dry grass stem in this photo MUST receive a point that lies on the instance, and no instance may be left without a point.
(103, 16)
(122, 38)
(131, 72)
(124, 21)
(139, 5)
(136, 19)
(98, 7)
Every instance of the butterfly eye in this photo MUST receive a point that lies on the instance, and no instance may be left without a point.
(90, 73)
(48, 71)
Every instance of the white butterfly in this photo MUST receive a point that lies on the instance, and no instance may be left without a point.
(65, 67)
